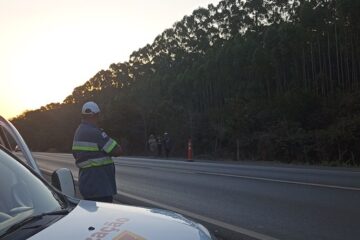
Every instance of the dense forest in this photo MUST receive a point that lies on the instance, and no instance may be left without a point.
(271, 80)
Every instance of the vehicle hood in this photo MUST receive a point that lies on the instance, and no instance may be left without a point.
(97, 221)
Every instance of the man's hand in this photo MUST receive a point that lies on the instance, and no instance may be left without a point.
(117, 151)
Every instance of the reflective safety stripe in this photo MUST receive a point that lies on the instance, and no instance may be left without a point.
(95, 162)
(85, 146)
(109, 146)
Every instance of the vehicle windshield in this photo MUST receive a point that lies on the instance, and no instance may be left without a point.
(22, 195)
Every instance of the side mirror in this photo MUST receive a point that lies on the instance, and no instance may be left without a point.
(63, 180)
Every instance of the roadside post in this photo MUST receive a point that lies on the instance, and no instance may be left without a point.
(190, 153)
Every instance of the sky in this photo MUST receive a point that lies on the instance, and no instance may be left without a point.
(49, 47)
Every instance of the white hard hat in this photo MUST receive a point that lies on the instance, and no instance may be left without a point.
(90, 108)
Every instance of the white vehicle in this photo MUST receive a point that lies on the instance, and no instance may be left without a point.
(31, 208)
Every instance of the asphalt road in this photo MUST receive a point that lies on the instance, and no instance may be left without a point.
(263, 202)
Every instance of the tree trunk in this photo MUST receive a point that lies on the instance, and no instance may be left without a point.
(346, 59)
(337, 57)
(313, 69)
(342, 69)
(330, 68)
(296, 74)
(353, 65)
(304, 69)
(237, 149)
(320, 72)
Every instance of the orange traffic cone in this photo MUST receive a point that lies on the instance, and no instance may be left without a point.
(189, 156)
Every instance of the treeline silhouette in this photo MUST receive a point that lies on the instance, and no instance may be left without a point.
(261, 79)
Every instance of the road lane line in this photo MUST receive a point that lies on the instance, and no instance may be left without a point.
(281, 181)
(245, 177)
(221, 224)
(155, 168)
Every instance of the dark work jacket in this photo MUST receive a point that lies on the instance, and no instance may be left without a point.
(92, 151)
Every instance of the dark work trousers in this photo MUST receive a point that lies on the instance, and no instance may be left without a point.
(167, 151)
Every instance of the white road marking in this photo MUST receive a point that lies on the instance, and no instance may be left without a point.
(242, 176)
(156, 168)
(247, 177)
(282, 181)
(221, 224)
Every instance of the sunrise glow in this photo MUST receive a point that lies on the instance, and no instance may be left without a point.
(49, 47)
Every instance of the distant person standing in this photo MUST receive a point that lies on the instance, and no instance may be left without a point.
(159, 145)
(93, 149)
(167, 144)
(152, 145)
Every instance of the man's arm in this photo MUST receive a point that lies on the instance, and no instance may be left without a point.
(109, 145)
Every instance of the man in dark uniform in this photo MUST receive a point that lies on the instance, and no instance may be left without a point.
(93, 149)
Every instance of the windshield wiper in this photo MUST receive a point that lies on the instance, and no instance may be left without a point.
(57, 212)
(31, 219)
